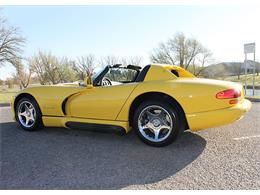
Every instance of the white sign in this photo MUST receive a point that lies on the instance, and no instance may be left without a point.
(249, 48)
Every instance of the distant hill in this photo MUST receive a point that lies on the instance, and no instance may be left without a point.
(229, 69)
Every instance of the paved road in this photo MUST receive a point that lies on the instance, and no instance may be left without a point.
(219, 158)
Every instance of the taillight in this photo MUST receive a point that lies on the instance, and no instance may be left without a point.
(228, 94)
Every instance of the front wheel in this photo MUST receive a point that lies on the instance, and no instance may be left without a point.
(28, 114)
(157, 123)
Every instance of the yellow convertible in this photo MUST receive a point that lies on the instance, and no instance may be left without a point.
(158, 102)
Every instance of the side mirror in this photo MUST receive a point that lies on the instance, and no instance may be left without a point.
(88, 82)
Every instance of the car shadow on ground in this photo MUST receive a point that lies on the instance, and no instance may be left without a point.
(58, 158)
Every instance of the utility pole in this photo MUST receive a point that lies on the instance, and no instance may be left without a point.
(245, 77)
(254, 76)
(249, 48)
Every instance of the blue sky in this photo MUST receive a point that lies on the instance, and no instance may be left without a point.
(132, 30)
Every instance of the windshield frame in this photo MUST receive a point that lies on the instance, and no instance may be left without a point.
(99, 76)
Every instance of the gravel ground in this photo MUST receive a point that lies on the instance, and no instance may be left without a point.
(227, 157)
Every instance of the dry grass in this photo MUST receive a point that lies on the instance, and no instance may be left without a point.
(249, 79)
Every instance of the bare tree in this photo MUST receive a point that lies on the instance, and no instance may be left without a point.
(21, 74)
(11, 42)
(109, 60)
(51, 69)
(177, 50)
(205, 57)
(50, 63)
(163, 54)
(112, 60)
(84, 66)
(132, 60)
(65, 70)
(202, 59)
(45, 65)
(10, 82)
(237, 69)
(36, 66)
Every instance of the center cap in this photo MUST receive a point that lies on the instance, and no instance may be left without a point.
(156, 122)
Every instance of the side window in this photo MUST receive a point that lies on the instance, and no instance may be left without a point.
(121, 75)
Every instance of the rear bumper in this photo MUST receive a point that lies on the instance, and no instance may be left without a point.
(204, 120)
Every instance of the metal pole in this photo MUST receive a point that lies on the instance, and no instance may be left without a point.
(245, 71)
(254, 77)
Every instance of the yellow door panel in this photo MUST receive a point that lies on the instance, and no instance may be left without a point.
(104, 102)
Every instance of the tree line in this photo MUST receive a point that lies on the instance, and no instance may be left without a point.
(46, 68)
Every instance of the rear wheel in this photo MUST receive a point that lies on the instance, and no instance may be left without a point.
(28, 114)
(157, 123)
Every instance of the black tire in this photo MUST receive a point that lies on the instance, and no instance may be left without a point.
(37, 124)
(175, 114)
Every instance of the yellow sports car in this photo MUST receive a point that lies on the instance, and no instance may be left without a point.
(158, 102)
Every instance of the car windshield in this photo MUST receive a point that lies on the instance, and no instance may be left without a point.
(116, 75)
(96, 72)
(121, 75)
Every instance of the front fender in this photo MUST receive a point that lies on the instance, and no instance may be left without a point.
(49, 98)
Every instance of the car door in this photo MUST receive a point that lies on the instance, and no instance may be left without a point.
(104, 102)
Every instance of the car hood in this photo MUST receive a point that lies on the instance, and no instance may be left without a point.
(50, 98)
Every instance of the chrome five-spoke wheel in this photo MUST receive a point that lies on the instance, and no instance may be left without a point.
(26, 114)
(155, 123)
